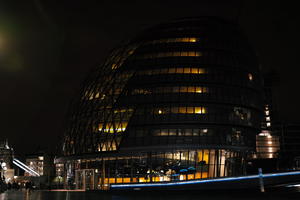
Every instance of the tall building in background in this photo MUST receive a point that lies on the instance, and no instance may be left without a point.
(268, 141)
(6, 157)
(181, 101)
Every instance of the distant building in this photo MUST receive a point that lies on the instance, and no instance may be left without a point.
(6, 157)
(267, 145)
(268, 142)
(41, 163)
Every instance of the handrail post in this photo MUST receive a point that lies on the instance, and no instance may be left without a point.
(261, 181)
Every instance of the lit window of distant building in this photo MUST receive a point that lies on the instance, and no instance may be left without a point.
(250, 77)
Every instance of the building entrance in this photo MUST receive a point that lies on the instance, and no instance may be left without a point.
(85, 179)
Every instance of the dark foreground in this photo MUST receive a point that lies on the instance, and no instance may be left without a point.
(275, 193)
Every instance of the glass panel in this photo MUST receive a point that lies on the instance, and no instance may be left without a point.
(179, 71)
(190, 110)
(199, 90)
(172, 132)
(198, 110)
(176, 54)
(194, 70)
(182, 109)
(183, 89)
(175, 89)
(191, 89)
(187, 70)
(196, 132)
(174, 109)
(156, 132)
(184, 53)
(191, 53)
(164, 132)
(172, 70)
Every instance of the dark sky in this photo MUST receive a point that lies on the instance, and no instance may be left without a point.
(48, 47)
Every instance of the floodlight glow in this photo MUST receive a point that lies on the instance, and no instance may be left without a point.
(24, 166)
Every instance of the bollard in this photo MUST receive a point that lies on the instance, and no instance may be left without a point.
(261, 181)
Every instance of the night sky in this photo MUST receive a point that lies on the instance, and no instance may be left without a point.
(48, 47)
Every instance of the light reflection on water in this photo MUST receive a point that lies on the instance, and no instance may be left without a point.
(69, 195)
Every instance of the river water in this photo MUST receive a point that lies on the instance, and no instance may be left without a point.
(273, 194)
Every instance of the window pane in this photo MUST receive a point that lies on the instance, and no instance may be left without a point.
(186, 70)
(190, 110)
(164, 132)
(194, 70)
(172, 132)
(191, 89)
(188, 132)
(183, 89)
(174, 110)
(198, 110)
(156, 132)
(172, 70)
(179, 70)
(182, 109)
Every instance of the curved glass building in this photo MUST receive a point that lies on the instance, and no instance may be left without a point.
(181, 101)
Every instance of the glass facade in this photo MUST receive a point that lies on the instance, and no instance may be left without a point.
(181, 101)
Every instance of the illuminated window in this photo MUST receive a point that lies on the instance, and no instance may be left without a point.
(179, 70)
(91, 97)
(188, 132)
(123, 110)
(194, 71)
(172, 132)
(175, 40)
(200, 110)
(187, 70)
(190, 110)
(268, 119)
(181, 110)
(174, 109)
(116, 127)
(183, 89)
(156, 132)
(190, 89)
(242, 113)
(172, 70)
(164, 132)
(141, 91)
(204, 130)
(181, 132)
(250, 77)
(176, 89)
(267, 112)
(114, 66)
(268, 124)
(173, 54)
